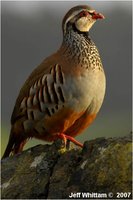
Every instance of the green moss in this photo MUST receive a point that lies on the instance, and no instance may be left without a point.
(62, 150)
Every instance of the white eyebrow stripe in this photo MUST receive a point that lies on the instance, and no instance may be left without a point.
(69, 18)
(91, 11)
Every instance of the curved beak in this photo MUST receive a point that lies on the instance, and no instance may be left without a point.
(97, 16)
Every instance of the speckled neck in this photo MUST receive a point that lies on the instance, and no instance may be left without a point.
(81, 48)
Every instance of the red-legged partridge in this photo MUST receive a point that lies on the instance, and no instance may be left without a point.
(64, 93)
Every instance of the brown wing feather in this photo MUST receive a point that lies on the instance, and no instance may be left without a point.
(42, 69)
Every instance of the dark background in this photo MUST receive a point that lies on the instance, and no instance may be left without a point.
(32, 30)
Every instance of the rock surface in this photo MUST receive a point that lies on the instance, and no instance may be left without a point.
(102, 167)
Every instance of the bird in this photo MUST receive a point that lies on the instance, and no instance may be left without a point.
(64, 94)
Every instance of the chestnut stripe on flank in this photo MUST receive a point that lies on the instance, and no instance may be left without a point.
(29, 101)
(38, 102)
(38, 83)
(60, 75)
(61, 94)
(53, 72)
(47, 91)
(35, 85)
(31, 91)
(35, 101)
(37, 95)
(41, 97)
(54, 94)
(43, 79)
(23, 103)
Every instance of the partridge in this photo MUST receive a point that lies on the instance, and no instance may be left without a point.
(63, 95)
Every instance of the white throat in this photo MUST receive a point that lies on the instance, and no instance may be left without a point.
(84, 24)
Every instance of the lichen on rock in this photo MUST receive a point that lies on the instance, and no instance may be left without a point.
(50, 171)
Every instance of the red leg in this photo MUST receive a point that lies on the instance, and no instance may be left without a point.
(65, 137)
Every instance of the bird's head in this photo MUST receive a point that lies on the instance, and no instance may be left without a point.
(81, 17)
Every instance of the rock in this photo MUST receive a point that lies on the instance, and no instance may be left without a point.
(102, 167)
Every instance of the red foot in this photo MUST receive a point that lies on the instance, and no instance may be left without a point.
(65, 137)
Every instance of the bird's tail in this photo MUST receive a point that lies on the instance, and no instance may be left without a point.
(15, 145)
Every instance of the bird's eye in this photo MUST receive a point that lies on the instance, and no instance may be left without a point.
(83, 14)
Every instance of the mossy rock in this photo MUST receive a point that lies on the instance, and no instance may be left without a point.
(103, 166)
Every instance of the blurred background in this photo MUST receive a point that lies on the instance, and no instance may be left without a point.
(31, 31)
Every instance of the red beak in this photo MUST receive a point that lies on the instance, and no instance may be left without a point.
(97, 16)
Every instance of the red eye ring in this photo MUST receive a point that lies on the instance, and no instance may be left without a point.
(84, 14)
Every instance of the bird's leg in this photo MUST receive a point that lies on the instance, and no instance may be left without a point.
(67, 137)
(74, 141)
(63, 137)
